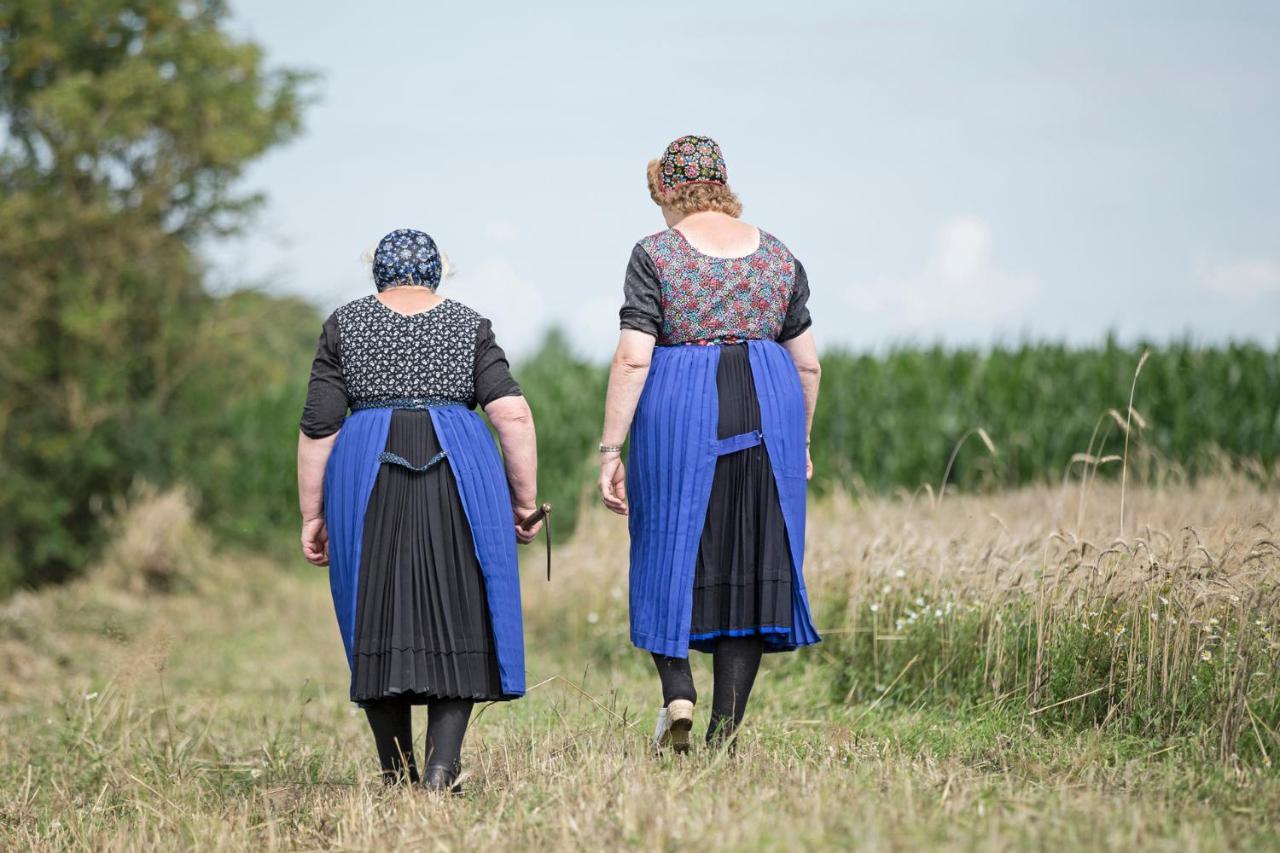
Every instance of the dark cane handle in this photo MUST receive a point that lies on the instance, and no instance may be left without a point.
(536, 516)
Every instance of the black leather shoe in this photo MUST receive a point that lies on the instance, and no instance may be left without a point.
(442, 780)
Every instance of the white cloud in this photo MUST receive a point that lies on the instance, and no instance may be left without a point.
(518, 310)
(1245, 278)
(961, 294)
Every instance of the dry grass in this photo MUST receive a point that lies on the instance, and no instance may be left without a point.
(211, 713)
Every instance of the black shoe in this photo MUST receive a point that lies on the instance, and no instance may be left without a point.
(442, 780)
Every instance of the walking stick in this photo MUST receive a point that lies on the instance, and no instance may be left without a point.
(542, 512)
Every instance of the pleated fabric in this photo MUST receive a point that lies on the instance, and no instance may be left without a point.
(782, 412)
(482, 486)
(675, 445)
(669, 483)
(424, 591)
(422, 625)
(348, 480)
(742, 580)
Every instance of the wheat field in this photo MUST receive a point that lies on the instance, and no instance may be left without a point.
(999, 671)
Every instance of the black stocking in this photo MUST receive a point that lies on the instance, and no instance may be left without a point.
(677, 679)
(446, 726)
(736, 661)
(392, 723)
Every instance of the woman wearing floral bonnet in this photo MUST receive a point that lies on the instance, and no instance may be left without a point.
(408, 502)
(714, 381)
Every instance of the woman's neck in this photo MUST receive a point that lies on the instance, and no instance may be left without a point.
(718, 234)
(409, 300)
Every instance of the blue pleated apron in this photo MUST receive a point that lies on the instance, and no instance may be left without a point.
(670, 468)
(482, 484)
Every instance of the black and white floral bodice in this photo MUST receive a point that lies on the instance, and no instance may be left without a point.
(390, 356)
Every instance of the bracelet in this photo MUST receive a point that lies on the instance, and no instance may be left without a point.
(610, 448)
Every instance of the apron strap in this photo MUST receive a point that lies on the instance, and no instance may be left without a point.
(397, 459)
(734, 443)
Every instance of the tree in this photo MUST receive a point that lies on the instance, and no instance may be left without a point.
(126, 126)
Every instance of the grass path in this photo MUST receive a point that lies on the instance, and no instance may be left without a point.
(214, 717)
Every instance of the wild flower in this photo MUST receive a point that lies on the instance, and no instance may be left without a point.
(875, 607)
(1206, 655)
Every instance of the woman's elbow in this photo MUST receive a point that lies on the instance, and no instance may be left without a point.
(510, 412)
(810, 368)
(630, 364)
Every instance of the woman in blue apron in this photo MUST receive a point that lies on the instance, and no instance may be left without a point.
(715, 378)
(409, 504)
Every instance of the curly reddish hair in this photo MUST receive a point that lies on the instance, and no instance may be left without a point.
(691, 197)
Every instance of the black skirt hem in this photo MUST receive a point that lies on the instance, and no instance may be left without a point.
(423, 697)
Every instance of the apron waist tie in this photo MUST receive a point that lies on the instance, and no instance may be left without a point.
(397, 459)
(734, 443)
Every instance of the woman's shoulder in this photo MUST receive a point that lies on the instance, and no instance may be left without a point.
(770, 243)
(656, 242)
(353, 307)
(461, 311)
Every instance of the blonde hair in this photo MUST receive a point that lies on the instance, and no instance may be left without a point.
(691, 197)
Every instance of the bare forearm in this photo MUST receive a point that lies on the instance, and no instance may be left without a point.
(627, 376)
(804, 353)
(625, 387)
(809, 382)
(517, 436)
(313, 455)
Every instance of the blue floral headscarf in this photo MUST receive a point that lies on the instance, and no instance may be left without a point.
(406, 256)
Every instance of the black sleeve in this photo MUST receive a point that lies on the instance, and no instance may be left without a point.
(797, 318)
(493, 377)
(326, 405)
(642, 290)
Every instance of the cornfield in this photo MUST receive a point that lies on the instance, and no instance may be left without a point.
(937, 418)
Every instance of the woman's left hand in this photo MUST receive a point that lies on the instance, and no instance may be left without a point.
(808, 464)
(315, 541)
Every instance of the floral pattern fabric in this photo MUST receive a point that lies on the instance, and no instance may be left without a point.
(693, 160)
(406, 256)
(706, 299)
(391, 356)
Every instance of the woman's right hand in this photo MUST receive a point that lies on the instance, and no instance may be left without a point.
(521, 512)
(613, 483)
(315, 541)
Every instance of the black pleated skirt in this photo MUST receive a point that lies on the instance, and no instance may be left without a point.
(422, 620)
(742, 582)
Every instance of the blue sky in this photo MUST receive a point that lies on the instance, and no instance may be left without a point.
(964, 173)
